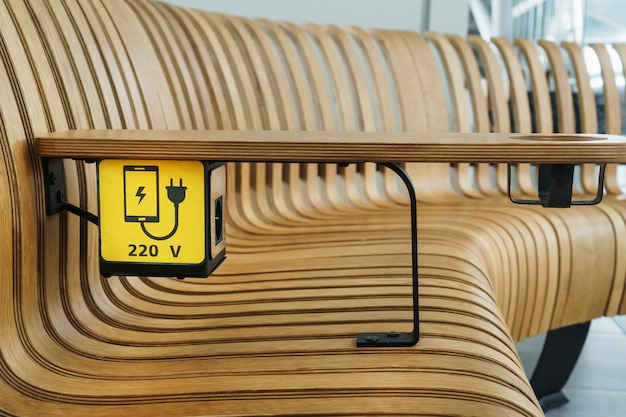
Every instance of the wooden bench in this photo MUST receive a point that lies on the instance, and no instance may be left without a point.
(316, 252)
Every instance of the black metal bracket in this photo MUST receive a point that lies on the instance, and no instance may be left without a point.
(401, 339)
(54, 182)
(55, 203)
(555, 183)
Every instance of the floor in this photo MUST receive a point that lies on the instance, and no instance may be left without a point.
(597, 386)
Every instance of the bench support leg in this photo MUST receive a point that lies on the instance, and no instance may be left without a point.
(556, 363)
(400, 339)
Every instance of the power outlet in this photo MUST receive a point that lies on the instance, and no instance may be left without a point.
(217, 225)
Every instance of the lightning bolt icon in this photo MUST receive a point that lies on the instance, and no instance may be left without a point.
(140, 194)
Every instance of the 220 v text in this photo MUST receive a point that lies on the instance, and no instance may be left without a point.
(151, 251)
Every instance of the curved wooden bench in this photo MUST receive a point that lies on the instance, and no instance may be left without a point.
(271, 333)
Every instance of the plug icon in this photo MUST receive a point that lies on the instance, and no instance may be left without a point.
(176, 193)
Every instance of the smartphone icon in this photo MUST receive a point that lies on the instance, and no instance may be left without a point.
(141, 193)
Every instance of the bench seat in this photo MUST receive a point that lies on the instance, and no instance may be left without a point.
(316, 252)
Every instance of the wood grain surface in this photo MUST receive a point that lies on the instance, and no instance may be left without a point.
(280, 146)
(316, 252)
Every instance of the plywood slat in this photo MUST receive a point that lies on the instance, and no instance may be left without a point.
(283, 146)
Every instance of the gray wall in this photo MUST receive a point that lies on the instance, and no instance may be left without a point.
(448, 16)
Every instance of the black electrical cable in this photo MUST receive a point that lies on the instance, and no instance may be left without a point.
(170, 234)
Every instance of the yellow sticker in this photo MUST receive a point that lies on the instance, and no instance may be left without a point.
(152, 211)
